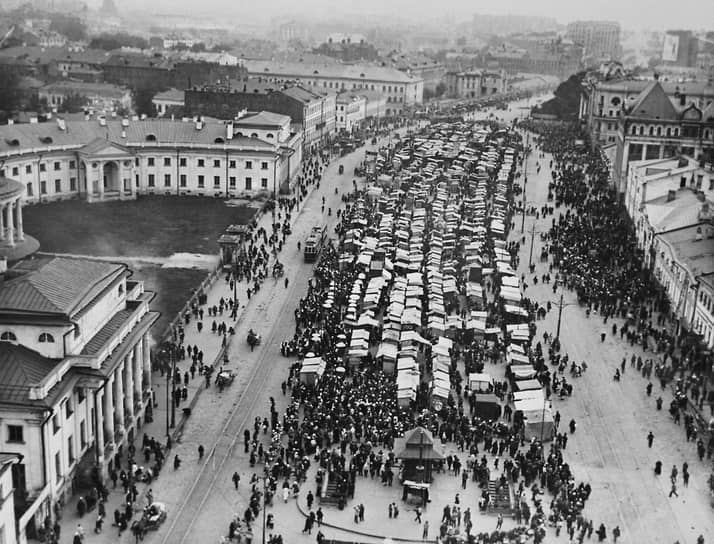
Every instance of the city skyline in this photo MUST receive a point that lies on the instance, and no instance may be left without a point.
(636, 14)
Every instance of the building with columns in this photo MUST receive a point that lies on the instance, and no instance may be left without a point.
(75, 375)
(11, 229)
(106, 159)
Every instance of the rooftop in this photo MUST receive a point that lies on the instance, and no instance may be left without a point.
(20, 370)
(263, 118)
(298, 69)
(696, 255)
(10, 188)
(81, 87)
(55, 285)
(665, 215)
(172, 95)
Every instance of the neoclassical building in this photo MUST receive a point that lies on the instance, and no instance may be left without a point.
(100, 159)
(75, 375)
(14, 244)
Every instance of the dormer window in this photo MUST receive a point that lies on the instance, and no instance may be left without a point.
(150, 138)
(46, 338)
(8, 336)
(219, 140)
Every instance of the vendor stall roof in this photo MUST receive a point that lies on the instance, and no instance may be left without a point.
(528, 385)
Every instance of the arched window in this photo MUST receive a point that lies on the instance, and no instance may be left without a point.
(659, 131)
(150, 138)
(254, 135)
(270, 135)
(633, 130)
(46, 337)
(8, 336)
(669, 131)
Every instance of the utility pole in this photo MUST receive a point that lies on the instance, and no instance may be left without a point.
(265, 506)
(523, 219)
(530, 256)
(168, 394)
(173, 385)
(560, 314)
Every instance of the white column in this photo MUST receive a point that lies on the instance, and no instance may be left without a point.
(10, 225)
(100, 423)
(129, 383)
(18, 219)
(147, 361)
(109, 410)
(138, 372)
(119, 400)
(2, 221)
(100, 183)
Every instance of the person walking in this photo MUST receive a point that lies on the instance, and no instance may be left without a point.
(616, 533)
(673, 491)
(236, 479)
(425, 532)
(499, 522)
(417, 512)
(650, 439)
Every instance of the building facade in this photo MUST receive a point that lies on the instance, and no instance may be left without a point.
(401, 89)
(76, 375)
(99, 96)
(99, 160)
(600, 39)
(351, 109)
(475, 84)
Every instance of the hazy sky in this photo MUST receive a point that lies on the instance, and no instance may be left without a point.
(692, 14)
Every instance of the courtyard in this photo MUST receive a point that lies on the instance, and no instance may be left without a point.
(168, 241)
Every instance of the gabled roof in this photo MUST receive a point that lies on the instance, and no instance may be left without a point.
(653, 103)
(263, 118)
(100, 146)
(20, 369)
(56, 285)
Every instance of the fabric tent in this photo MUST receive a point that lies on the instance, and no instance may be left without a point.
(523, 372)
(538, 424)
(529, 394)
(487, 406)
(480, 382)
(528, 384)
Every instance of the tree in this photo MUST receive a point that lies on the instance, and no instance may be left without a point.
(73, 103)
(198, 47)
(10, 92)
(143, 104)
(71, 27)
(109, 41)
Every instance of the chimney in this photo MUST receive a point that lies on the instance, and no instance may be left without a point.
(125, 122)
(34, 120)
(199, 125)
(10, 121)
(700, 196)
(671, 195)
(699, 235)
(61, 124)
(229, 130)
(102, 121)
(134, 117)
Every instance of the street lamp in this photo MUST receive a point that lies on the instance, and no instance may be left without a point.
(172, 353)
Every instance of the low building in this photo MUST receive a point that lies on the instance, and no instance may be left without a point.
(100, 160)
(475, 84)
(401, 89)
(375, 107)
(166, 100)
(347, 48)
(75, 374)
(351, 110)
(651, 127)
(99, 96)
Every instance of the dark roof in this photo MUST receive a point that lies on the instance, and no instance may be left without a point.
(56, 285)
(9, 187)
(653, 103)
(20, 369)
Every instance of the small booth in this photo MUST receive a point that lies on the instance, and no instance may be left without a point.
(312, 370)
(387, 354)
(480, 382)
(419, 452)
(525, 385)
(538, 424)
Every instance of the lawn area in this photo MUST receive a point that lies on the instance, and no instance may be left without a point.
(173, 287)
(151, 226)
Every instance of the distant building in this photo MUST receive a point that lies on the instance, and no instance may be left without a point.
(475, 84)
(401, 89)
(314, 113)
(100, 96)
(347, 48)
(431, 71)
(351, 110)
(75, 375)
(651, 127)
(537, 53)
(163, 101)
(600, 39)
(680, 48)
(501, 25)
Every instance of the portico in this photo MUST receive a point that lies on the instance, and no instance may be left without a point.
(106, 170)
(11, 229)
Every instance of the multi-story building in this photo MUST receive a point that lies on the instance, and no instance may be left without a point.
(537, 53)
(402, 90)
(603, 101)
(475, 84)
(75, 375)
(118, 159)
(313, 110)
(600, 39)
(418, 65)
(351, 109)
(166, 100)
(375, 107)
(99, 96)
(680, 48)
(347, 48)
(652, 128)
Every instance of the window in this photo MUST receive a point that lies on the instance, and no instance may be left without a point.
(264, 165)
(150, 161)
(231, 164)
(43, 187)
(15, 171)
(167, 180)
(68, 408)
(72, 184)
(167, 161)
(248, 165)
(14, 433)
(182, 161)
(201, 163)
(264, 183)
(55, 423)
(216, 163)
(216, 182)
(73, 164)
(83, 433)
(182, 180)
(58, 466)
(58, 186)
(46, 338)
(70, 450)
(232, 182)
(152, 180)
(57, 166)
(28, 169)
(76, 330)
(201, 182)
(8, 336)
(248, 184)
(43, 167)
